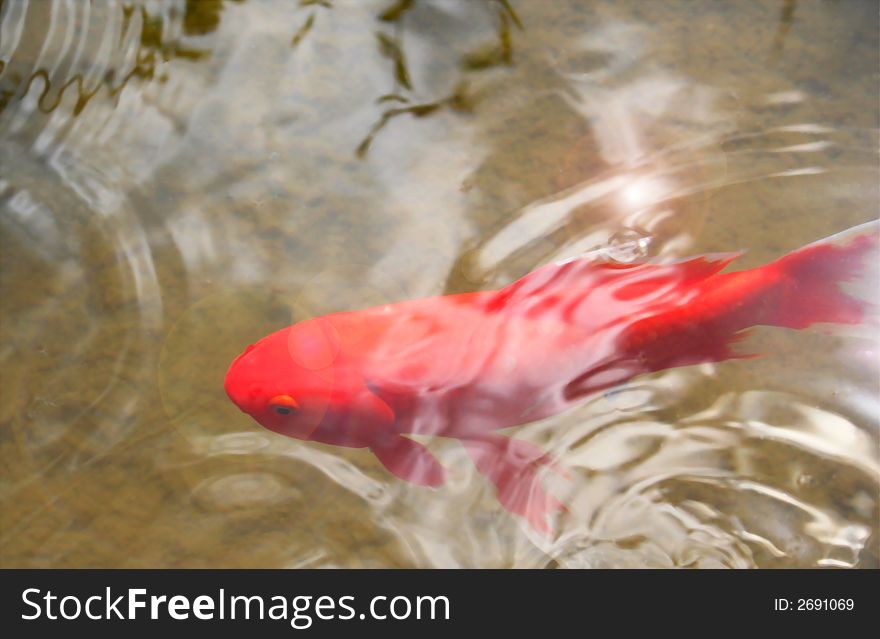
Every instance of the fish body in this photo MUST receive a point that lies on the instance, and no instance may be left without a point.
(469, 365)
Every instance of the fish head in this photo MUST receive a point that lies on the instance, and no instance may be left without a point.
(287, 381)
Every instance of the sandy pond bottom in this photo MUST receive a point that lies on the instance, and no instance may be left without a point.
(178, 179)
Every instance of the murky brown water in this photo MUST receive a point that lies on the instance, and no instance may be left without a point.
(178, 179)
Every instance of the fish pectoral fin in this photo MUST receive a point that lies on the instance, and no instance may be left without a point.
(386, 391)
(411, 461)
(378, 410)
(513, 466)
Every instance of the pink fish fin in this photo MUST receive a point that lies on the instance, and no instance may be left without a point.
(813, 274)
(392, 393)
(666, 341)
(796, 291)
(513, 466)
(409, 460)
(555, 286)
(662, 353)
(367, 402)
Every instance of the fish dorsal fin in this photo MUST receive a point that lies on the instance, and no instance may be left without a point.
(578, 277)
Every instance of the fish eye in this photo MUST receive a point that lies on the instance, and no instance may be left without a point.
(283, 404)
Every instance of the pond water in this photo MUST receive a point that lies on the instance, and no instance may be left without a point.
(179, 179)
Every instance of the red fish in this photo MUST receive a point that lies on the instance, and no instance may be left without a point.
(467, 366)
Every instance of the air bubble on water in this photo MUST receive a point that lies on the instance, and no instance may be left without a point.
(805, 480)
(627, 246)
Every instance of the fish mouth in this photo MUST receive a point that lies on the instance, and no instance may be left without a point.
(229, 387)
(232, 383)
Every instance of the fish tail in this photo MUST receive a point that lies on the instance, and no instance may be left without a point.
(797, 290)
(810, 289)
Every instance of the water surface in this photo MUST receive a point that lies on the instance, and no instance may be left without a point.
(178, 179)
